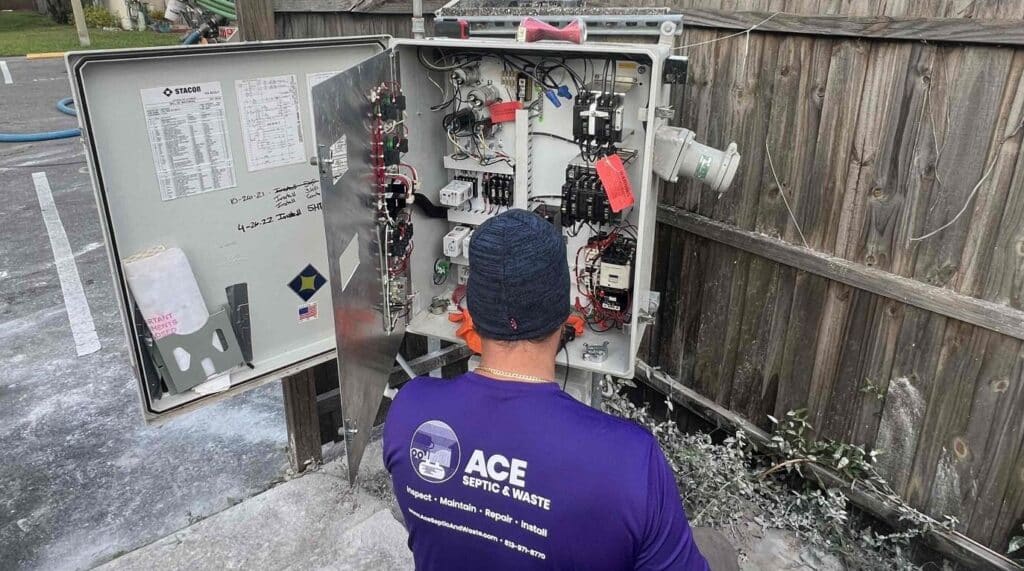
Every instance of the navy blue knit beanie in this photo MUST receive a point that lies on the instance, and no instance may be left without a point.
(518, 277)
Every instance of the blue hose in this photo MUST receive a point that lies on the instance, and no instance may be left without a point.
(64, 106)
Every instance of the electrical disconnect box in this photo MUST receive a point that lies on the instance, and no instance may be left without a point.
(414, 144)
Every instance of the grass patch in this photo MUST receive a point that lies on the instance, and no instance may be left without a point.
(27, 32)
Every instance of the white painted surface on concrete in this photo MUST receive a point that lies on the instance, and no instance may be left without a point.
(317, 521)
(6, 72)
(83, 329)
(82, 478)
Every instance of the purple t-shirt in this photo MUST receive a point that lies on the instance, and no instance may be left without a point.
(505, 475)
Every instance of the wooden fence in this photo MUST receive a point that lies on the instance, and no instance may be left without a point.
(868, 263)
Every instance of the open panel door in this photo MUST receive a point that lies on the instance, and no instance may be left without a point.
(206, 150)
(368, 335)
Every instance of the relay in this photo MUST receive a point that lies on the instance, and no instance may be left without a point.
(584, 198)
(597, 118)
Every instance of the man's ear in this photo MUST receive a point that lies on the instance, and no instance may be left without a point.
(568, 335)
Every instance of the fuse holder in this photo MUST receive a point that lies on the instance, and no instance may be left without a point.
(504, 111)
(616, 183)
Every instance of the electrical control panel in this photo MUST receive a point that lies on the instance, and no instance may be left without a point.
(469, 129)
(413, 145)
(343, 217)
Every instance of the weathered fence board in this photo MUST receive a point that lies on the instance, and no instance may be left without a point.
(983, 31)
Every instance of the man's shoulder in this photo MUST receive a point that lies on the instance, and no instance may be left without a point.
(606, 425)
(421, 387)
(419, 392)
(423, 383)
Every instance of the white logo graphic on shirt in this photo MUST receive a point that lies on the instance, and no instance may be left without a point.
(435, 451)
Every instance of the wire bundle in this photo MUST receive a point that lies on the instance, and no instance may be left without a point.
(598, 318)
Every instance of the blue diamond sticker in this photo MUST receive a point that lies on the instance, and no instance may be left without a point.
(307, 283)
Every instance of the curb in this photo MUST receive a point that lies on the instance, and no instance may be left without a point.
(45, 55)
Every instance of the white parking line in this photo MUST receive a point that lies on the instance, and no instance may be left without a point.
(6, 72)
(82, 327)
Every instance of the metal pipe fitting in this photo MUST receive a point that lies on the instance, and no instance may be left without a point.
(677, 153)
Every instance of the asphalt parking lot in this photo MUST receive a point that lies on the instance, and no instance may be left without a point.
(82, 478)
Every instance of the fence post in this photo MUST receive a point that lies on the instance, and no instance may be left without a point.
(256, 19)
(300, 413)
(83, 31)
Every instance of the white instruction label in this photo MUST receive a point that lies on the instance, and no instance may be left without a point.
(188, 135)
(339, 156)
(268, 108)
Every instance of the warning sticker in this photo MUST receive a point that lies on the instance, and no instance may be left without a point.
(271, 127)
(307, 283)
(188, 136)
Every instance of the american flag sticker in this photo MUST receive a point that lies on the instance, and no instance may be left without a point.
(308, 312)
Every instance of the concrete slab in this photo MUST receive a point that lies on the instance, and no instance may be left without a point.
(82, 479)
(317, 521)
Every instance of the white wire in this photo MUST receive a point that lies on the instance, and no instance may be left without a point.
(451, 138)
(792, 216)
(747, 31)
(967, 203)
(405, 366)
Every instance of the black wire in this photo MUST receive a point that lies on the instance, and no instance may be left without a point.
(553, 136)
(565, 381)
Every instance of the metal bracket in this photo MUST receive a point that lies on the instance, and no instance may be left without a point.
(631, 21)
(595, 353)
(650, 314)
(667, 112)
(238, 308)
(200, 347)
(322, 160)
(676, 68)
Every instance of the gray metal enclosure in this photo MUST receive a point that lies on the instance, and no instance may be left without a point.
(262, 230)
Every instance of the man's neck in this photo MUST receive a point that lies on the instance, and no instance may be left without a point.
(523, 362)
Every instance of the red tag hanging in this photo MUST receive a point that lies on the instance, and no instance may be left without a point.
(505, 111)
(616, 183)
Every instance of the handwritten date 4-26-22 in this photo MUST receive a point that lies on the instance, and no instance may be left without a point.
(253, 224)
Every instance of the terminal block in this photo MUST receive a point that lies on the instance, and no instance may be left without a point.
(498, 189)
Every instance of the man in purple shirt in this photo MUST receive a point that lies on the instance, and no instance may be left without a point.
(498, 468)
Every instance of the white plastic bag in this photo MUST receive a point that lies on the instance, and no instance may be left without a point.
(166, 291)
